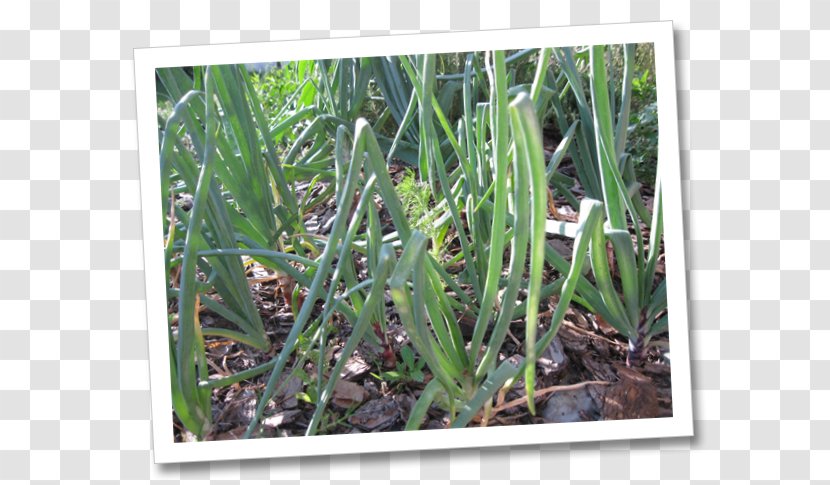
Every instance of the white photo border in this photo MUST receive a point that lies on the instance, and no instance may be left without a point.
(165, 450)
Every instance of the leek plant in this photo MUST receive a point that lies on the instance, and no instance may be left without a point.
(640, 314)
(242, 205)
(606, 172)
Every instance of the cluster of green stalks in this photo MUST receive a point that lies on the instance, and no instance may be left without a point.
(474, 138)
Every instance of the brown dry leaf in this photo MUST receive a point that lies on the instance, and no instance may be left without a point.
(347, 394)
(283, 289)
(566, 213)
(612, 258)
(552, 206)
(225, 344)
(604, 326)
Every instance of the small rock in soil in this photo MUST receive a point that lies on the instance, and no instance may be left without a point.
(247, 410)
(376, 415)
(553, 360)
(571, 407)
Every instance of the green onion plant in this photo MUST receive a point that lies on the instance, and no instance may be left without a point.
(474, 140)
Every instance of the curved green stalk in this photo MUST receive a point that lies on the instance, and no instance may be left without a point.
(518, 252)
(528, 137)
(606, 152)
(419, 410)
(186, 345)
(500, 153)
(621, 131)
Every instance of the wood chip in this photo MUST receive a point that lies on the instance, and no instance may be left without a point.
(347, 394)
(281, 418)
(354, 368)
(376, 415)
(633, 397)
(287, 397)
(233, 434)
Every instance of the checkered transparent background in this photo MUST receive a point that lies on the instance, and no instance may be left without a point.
(753, 90)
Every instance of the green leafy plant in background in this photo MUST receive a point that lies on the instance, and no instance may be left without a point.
(415, 198)
(275, 87)
(409, 369)
(642, 130)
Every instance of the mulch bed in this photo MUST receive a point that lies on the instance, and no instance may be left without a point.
(582, 376)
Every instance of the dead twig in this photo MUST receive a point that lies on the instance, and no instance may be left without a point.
(590, 334)
(544, 392)
(554, 212)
